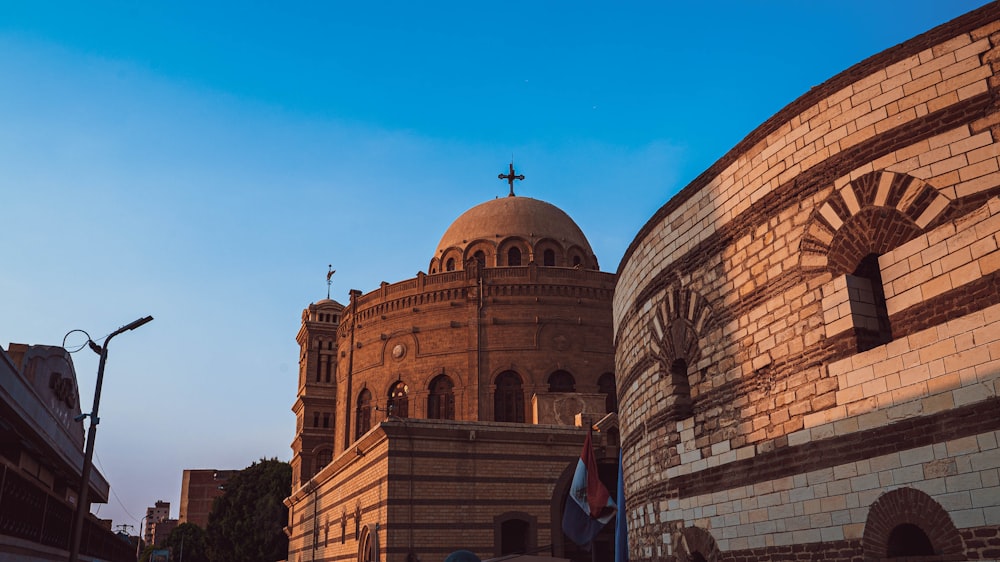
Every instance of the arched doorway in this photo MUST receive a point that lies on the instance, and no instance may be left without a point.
(604, 543)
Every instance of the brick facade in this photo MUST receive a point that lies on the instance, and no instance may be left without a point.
(808, 335)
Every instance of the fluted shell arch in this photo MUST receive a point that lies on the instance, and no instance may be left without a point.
(498, 224)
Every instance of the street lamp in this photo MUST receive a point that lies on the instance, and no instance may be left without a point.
(88, 457)
(139, 539)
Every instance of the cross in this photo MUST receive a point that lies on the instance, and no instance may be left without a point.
(510, 178)
(329, 278)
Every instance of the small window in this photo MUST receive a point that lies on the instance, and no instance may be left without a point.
(480, 258)
(326, 421)
(315, 419)
(549, 258)
(514, 257)
(576, 260)
(450, 264)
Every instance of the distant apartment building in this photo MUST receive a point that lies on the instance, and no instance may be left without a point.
(162, 530)
(199, 488)
(159, 512)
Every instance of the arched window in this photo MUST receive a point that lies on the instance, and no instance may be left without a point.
(368, 544)
(549, 257)
(323, 458)
(514, 256)
(398, 402)
(868, 280)
(480, 258)
(441, 401)
(577, 260)
(450, 264)
(562, 381)
(508, 402)
(364, 413)
(606, 386)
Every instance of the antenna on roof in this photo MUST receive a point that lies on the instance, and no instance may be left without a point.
(511, 177)
(329, 278)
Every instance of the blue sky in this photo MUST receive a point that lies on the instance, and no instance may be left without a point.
(204, 162)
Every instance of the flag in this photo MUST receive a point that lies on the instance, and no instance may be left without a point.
(589, 506)
(621, 530)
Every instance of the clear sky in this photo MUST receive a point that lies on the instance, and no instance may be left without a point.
(203, 162)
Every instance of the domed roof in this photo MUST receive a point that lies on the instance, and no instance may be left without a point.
(525, 217)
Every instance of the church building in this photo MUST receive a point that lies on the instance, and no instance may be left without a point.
(808, 335)
(448, 411)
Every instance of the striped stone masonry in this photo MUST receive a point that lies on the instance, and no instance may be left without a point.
(847, 254)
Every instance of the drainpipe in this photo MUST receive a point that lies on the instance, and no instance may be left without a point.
(350, 369)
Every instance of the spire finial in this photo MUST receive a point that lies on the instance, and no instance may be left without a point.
(329, 278)
(511, 177)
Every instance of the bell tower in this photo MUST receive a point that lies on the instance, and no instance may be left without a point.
(315, 406)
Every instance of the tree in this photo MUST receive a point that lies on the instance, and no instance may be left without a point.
(188, 539)
(246, 523)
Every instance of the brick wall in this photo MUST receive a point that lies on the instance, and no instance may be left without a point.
(796, 358)
(437, 486)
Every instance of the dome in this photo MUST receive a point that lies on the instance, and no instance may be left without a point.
(523, 218)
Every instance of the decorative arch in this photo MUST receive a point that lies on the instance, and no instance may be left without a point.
(903, 510)
(513, 252)
(399, 347)
(488, 250)
(872, 214)
(694, 544)
(677, 324)
(549, 253)
(453, 255)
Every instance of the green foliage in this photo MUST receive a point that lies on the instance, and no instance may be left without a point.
(247, 521)
(188, 539)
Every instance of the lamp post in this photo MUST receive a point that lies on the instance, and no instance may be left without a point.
(139, 539)
(88, 457)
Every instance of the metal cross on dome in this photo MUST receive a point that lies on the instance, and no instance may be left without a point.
(510, 178)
